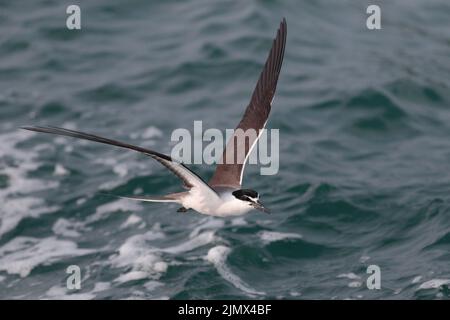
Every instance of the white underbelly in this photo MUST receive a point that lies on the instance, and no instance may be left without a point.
(220, 207)
(233, 208)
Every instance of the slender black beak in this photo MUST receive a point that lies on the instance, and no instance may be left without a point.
(259, 206)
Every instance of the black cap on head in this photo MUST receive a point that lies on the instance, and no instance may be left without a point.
(244, 194)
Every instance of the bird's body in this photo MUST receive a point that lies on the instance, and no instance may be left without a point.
(223, 194)
(230, 205)
(225, 204)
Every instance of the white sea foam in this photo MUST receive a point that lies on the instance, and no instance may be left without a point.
(272, 236)
(199, 240)
(101, 286)
(70, 125)
(355, 284)
(364, 259)
(132, 276)
(151, 132)
(218, 256)
(148, 133)
(119, 167)
(80, 201)
(349, 275)
(416, 279)
(108, 185)
(240, 221)
(145, 260)
(60, 293)
(15, 209)
(16, 203)
(68, 228)
(133, 220)
(60, 170)
(295, 293)
(206, 223)
(152, 285)
(150, 262)
(434, 283)
(104, 210)
(22, 254)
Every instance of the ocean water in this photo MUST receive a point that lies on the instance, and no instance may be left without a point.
(364, 120)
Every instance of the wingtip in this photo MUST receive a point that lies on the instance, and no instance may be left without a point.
(45, 129)
(34, 128)
(29, 128)
(283, 27)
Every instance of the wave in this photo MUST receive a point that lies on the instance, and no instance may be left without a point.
(17, 194)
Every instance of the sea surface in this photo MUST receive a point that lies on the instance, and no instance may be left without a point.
(364, 176)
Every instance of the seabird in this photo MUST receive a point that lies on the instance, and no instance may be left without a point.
(223, 195)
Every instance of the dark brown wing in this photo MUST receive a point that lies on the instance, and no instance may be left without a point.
(189, 178)
(255, 117)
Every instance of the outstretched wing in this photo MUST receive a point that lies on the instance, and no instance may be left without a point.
(255, 117)
(189, 178)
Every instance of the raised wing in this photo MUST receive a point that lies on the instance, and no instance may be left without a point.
(190, 179)
(255, 117)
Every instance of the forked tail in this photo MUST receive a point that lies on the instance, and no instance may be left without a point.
(167, 198)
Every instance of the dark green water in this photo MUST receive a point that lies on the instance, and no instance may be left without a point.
(364, 174)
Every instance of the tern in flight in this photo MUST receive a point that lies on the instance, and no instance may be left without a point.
(223, 195)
